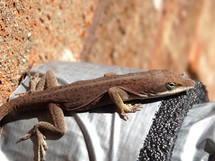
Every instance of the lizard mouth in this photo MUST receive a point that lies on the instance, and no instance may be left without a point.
(174, 91)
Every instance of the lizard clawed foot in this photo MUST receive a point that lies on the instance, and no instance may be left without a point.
(41, 144)
(134, 108)
(33, 81)
(129, 108)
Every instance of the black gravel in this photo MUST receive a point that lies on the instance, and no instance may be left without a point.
(163, 133)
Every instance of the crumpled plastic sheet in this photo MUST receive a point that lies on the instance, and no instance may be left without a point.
(196, 139)
(100, 134)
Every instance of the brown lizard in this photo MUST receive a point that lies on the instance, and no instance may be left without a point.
(87, 94)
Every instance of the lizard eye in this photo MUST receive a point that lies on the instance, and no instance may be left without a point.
(170, 85)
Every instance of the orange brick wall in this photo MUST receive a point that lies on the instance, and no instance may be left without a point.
(178, 35)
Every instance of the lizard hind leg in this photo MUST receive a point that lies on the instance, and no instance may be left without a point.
(57, 127)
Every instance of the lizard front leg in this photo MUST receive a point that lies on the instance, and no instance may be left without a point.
(118, 95)
(58, 126)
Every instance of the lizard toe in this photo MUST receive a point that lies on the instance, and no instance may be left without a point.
(25, 137)
(42, 147)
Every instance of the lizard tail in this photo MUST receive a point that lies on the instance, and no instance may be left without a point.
(6, 108)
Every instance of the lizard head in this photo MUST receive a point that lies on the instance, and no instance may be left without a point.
(166, 82)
